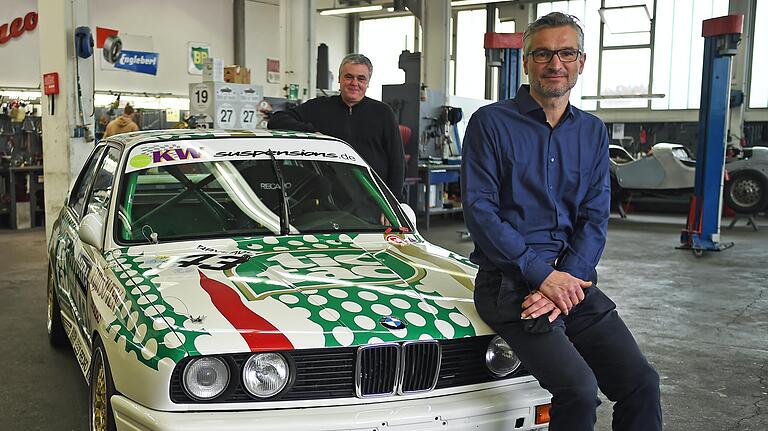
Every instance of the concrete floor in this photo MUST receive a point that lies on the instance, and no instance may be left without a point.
(702, 322)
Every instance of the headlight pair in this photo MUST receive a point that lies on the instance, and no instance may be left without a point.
(263, 375)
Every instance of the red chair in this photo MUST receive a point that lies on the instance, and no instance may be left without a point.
(405, 136)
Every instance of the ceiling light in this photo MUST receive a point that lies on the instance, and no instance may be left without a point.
(472, 2)
(355, 9)
(626, 19)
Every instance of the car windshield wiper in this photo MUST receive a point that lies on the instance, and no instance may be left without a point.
(285, 227)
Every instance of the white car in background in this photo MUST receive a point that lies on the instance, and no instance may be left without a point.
(212, 280)
(670, 171)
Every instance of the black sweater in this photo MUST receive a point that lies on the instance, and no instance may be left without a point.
(369, 127)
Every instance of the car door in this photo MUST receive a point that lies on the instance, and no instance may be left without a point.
(89, 259)
(67, 247)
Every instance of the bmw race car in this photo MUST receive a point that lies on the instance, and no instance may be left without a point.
(212, 280)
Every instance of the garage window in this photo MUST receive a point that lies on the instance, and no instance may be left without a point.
(384, 52)
(679, 51)
(665, 65)
(758, 91)
(589, 19)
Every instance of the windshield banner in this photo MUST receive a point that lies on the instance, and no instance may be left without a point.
(156, 154)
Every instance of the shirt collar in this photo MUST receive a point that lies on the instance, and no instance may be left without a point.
(344, 104)
(528, 104)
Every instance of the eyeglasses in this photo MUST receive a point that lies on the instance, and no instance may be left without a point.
(566, 55)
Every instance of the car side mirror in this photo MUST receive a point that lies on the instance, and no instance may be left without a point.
(91, 230)
(410, 213)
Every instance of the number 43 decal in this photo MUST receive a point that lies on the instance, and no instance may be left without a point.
(215, 262)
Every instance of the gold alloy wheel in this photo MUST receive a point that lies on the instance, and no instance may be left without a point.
(99, 395)
(49, 323)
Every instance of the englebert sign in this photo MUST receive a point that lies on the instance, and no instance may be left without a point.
(138, 61)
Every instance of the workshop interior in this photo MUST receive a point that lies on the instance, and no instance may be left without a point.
(679, 84)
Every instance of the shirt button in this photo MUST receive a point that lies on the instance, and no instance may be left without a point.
(552, 159)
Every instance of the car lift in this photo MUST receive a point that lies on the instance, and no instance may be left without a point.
(503, 51)
(702, 231)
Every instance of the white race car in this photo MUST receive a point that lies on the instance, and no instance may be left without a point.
(212, 280)
(669, 171)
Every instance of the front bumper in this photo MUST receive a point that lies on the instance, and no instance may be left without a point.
(509, 407)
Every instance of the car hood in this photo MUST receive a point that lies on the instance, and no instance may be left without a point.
(297, 292)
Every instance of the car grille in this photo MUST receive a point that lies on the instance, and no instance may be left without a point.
(421, 366)
(377, 370)
(366, 371)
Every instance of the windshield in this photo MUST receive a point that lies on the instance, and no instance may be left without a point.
(244, 198)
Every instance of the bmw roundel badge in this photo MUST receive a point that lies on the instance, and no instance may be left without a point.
(392, 322)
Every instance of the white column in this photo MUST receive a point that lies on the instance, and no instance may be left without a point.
(739, 65)
(436, 33)
(55, 32)
(298, 46)
(63, 155)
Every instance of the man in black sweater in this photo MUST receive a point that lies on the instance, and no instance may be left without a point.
(368, 125)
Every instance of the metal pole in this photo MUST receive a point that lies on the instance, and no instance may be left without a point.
(238, 21)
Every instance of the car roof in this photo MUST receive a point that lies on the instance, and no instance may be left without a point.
(130, 140)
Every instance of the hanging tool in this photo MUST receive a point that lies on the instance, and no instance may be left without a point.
(84, 50)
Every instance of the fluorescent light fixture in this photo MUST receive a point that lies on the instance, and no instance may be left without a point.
(625, 96)
(21, 94)
(144, 102)
(626, 19)
(355, 9)
(472, 2)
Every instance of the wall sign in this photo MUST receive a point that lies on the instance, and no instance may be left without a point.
(138, 61)
(17, 27)
(197, 53)
(273, 70)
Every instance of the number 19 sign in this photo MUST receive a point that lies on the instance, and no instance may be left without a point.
(200, 98)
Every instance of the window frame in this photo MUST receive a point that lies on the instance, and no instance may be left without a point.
(94, 159)
(115, 174)
(602, 48)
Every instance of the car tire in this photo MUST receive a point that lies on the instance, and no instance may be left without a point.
(747, 192)
(100, 415)
(56, 335)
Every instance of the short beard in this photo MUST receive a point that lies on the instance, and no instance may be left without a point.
(549, 92)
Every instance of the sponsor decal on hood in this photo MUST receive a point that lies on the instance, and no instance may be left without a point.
(301, 291)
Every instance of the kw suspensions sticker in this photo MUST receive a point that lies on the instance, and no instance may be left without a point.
(155, 154)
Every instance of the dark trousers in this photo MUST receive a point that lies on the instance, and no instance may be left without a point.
(590, 348)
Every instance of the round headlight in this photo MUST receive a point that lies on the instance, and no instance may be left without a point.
(205, 378)
(265, 374)
(500, 358)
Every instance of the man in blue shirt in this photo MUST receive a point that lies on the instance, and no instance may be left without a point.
(536, 195)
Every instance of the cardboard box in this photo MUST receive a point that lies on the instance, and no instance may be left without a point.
(237, 74)
(213, 69)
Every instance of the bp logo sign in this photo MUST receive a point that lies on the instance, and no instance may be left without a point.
(198, 52)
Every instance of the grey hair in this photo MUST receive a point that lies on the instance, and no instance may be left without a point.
(356, 58)
(553, 19)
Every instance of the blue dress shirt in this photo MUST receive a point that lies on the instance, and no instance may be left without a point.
(532, 193)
